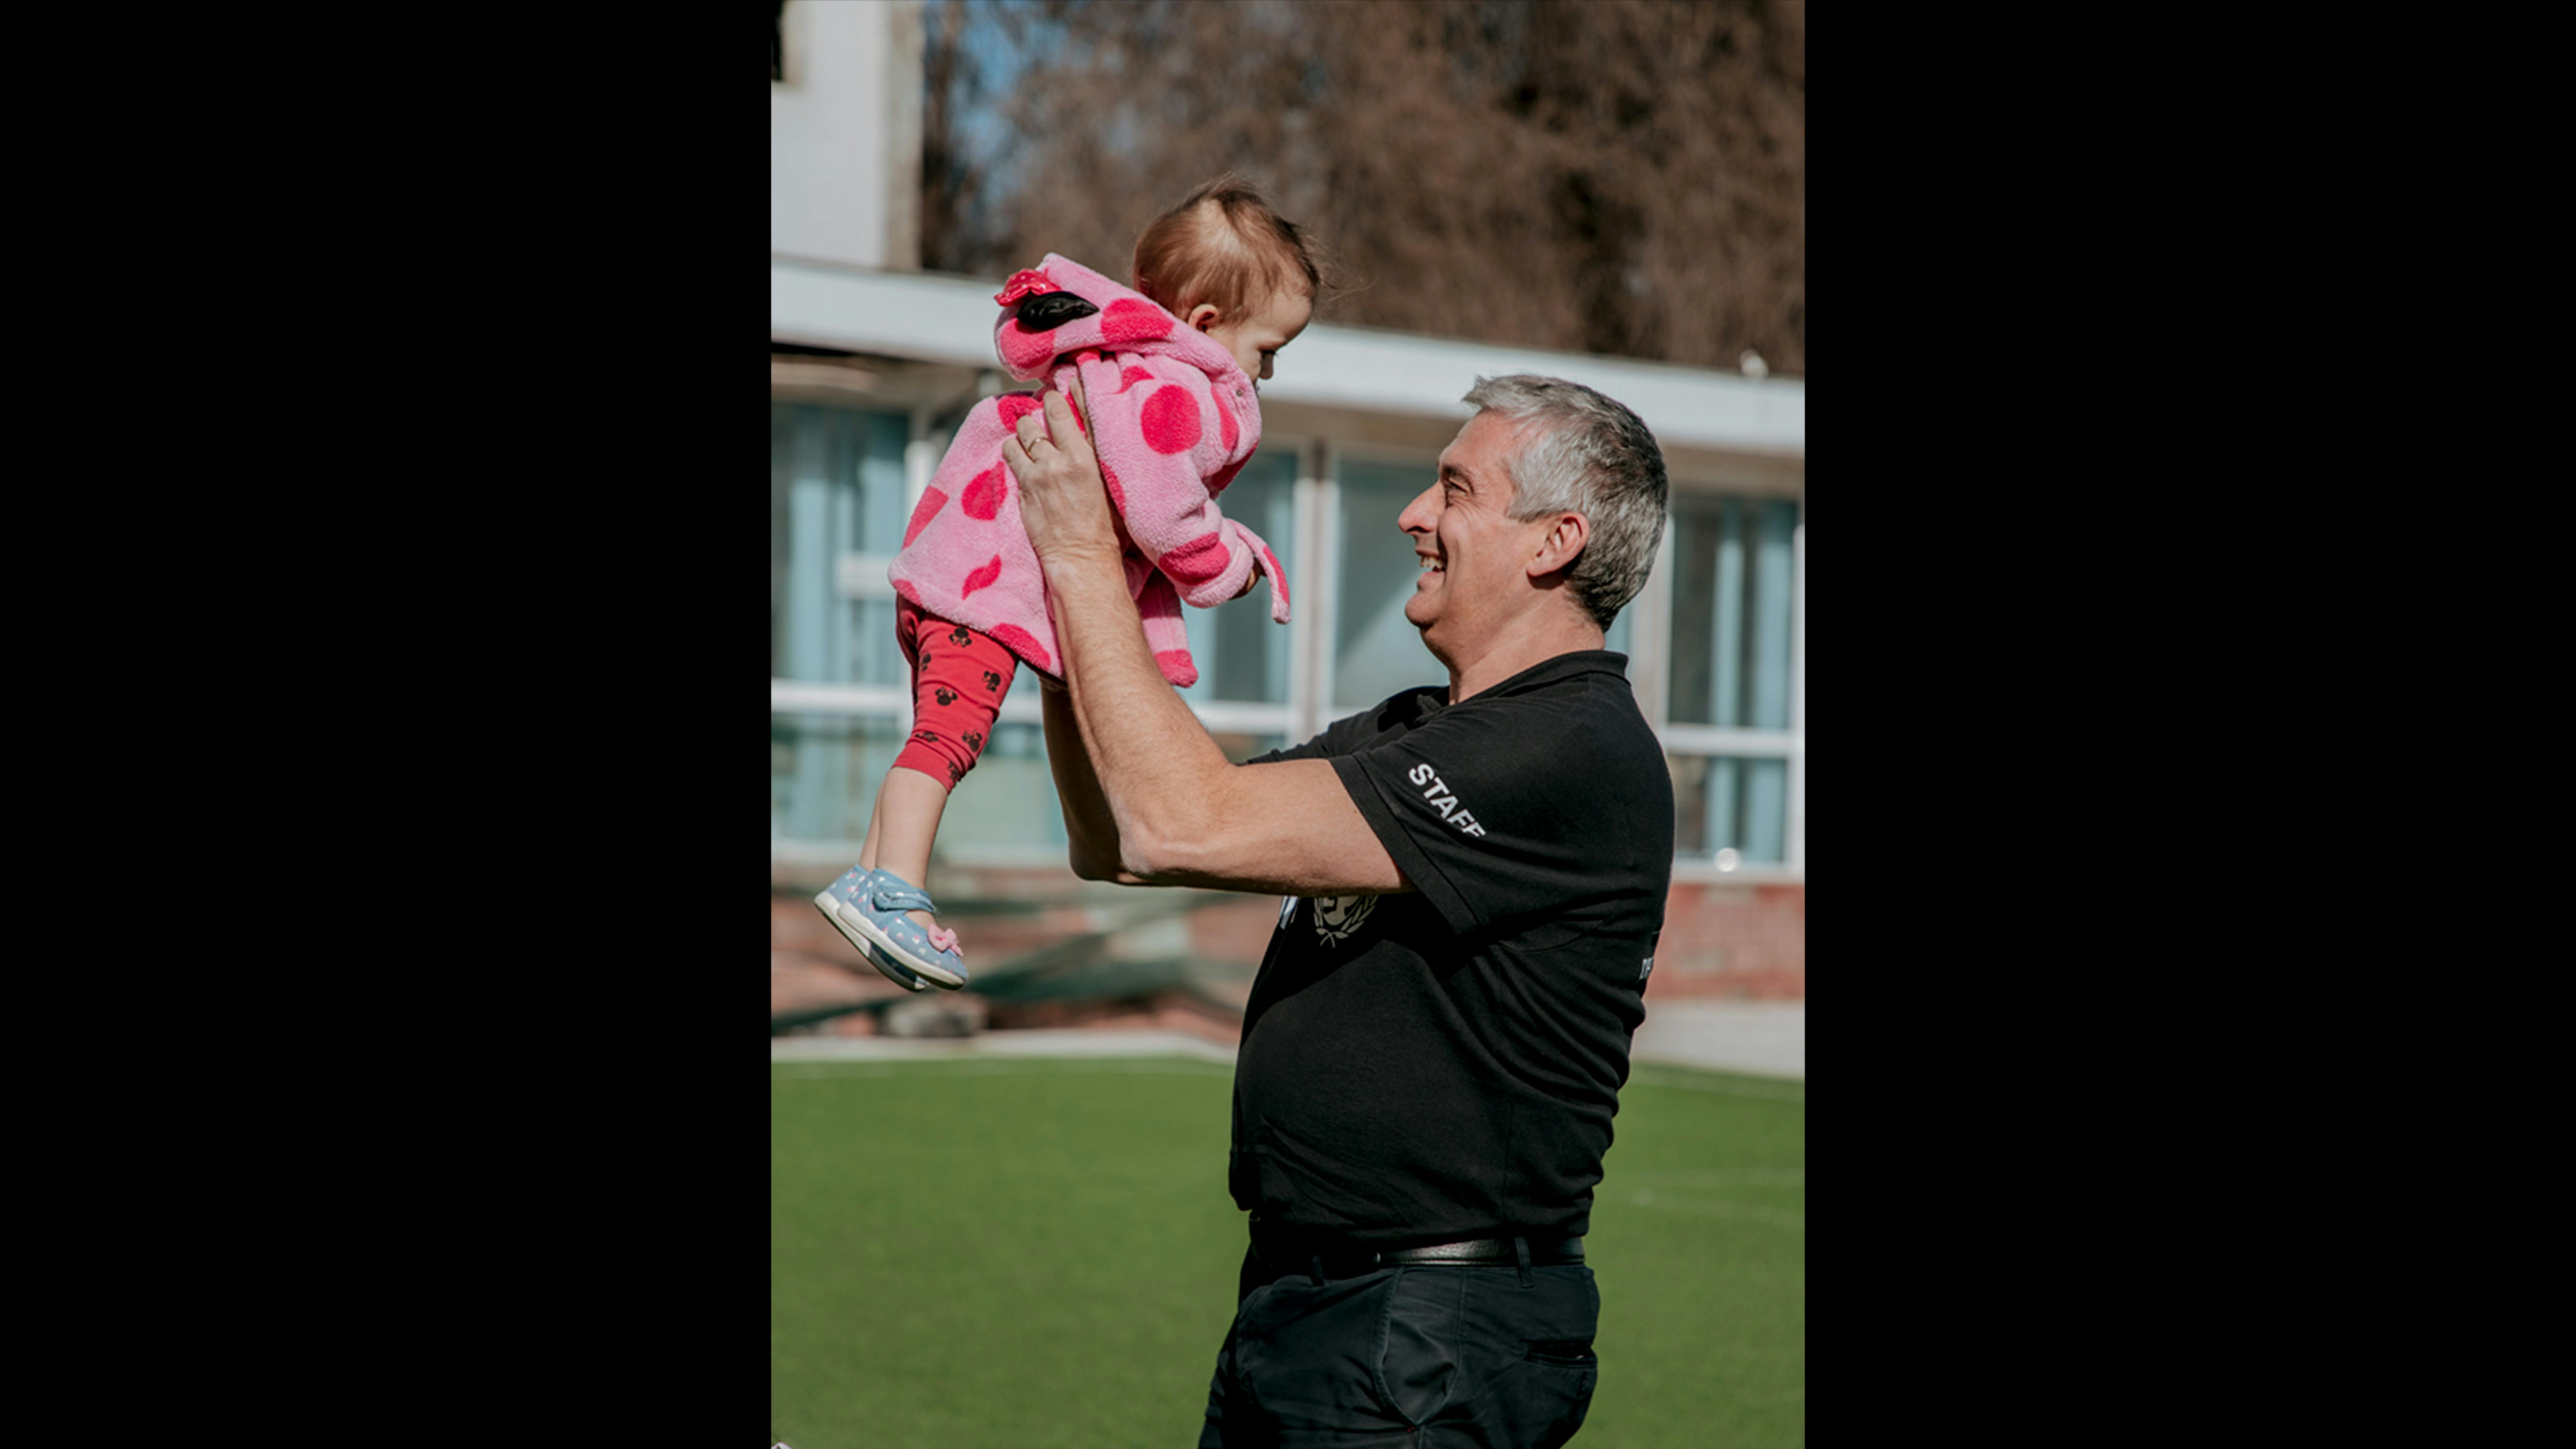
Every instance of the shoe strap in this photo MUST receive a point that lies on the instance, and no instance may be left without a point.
(890, 894)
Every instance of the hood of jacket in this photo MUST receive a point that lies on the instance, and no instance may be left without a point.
(1033, 331)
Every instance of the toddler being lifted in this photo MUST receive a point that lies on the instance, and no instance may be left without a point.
(1166, 374)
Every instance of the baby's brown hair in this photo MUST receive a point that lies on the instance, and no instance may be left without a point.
(1223, 245)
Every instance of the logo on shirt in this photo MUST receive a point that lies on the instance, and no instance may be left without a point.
(1442, 800)
(1337, 917)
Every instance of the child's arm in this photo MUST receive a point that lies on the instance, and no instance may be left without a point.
(1161, 432)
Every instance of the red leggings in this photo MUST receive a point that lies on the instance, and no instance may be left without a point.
(958, 680)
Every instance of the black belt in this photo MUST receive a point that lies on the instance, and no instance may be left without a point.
(1285, 1253)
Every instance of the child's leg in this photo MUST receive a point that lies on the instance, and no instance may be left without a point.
(903, 827)
(959, 680)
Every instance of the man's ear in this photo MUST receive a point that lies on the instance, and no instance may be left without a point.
(1561, 544)
(1203, 316)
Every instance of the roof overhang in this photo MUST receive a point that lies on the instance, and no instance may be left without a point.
(1390, 384)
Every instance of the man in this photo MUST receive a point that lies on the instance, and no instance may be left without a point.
(1475, 876)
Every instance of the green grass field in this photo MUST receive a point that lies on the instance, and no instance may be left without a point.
(1033, 1252)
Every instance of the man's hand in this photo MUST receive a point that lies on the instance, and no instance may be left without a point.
(1063, 502)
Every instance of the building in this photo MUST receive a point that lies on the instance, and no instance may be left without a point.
(873, 363)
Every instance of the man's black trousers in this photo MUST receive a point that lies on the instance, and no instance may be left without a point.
(1426, 1357)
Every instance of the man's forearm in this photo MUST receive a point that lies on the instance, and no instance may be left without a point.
(1151, 759)
(1090, 829)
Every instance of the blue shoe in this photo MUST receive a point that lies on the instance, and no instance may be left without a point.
(852, 884)
(875, 910)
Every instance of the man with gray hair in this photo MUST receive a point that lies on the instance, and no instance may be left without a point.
(1475, 878)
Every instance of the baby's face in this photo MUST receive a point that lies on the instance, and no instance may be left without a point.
(1252, 340)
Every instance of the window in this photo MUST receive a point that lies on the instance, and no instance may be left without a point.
(1730, 733)
(1376, 650)
(823, 775)
(836, 516)
(837, 507)
(1242, 656)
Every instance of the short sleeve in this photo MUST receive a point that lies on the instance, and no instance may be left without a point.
(1352, 732)
(1331, 742)
(1515, 808)
(1311, 750)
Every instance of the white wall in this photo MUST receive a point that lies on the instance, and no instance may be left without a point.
(845, 134)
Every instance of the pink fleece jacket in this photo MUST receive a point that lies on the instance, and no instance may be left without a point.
(1173, 419)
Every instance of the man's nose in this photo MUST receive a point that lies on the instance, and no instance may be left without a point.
(1416, 517)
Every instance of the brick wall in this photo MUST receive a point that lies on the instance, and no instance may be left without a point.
(1747, 941)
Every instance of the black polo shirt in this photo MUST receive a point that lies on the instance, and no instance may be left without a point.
(1444, 1063)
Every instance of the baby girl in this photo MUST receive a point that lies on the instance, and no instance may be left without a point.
(1166, 373)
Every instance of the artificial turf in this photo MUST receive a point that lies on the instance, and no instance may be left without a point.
(1036, 1252)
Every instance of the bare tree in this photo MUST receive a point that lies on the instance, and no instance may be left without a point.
(1620, 176)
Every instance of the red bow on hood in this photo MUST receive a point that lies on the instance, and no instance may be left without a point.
(1024, 284)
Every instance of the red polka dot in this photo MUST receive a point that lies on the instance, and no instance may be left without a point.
(981, 577)
(1129, 320)
(1225, 424)
(931, 502)
(1196, 561)
(1129, 377)
(1170, 420)
(1019, 641)
(1117, 495)
(1017, 405)
(1023, 352)
(1177, 667)
(983, 497)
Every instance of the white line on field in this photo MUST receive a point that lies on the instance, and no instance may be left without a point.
(1784, 1093)
(1013, 1044)
(989, 1067)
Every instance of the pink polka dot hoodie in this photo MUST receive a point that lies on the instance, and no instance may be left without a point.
(1173, 419)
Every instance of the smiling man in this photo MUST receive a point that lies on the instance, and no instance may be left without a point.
(1475, 877)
